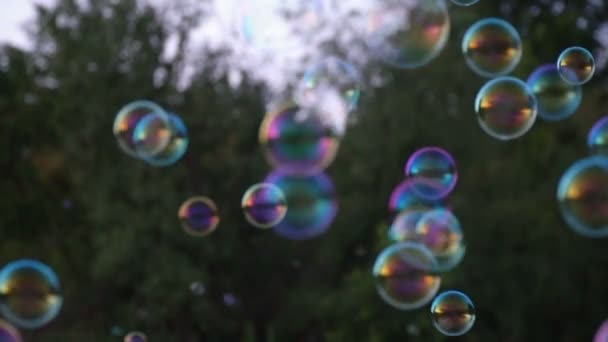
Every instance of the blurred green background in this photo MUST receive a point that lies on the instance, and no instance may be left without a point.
(108, 223)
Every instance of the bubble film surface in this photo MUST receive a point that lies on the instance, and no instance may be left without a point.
(576, 65)
(135, 336)
(404, 197)
(403, 277)
(312, 204)
(557, 99)
(602, 333)
(465, 2)
(30, 294)
(177, 143)
(439, 230)
(198, 216)
(404, 225)
(9, 333)
(597, 140)
(297, 141)
(435, 166)
(408, 34)
(492, 47)
(453, 313)
(126, 121)
(582, 195)
(264, 205)
(506, 109)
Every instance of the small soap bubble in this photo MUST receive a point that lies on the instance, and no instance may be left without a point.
(126, 122)
(229, 299)
(30, 296)
(506, 108)
(557, 99)
(197, 288)
(198, 216)
(435, 166)
(404, 198)
(439, 230)
(597, 140)
(264, 205)
(576, 65)
(453, 313)
(135, 336)
(9, 333)
(582, 195)
(492, 47)
(177, 143)
(404, 277)
(465, 2)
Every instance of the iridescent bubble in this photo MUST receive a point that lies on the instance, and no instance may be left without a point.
(312, 204)
(404, 225)
(583, 197)
(29, 293)
(297, 141)
(453, 313)
(602, 333)
(557, 99)
(135, 336)
(127, 120)
(597, 141)
(177, 143)
(403, 275)
(435, 166)
(492, 47)
(404, 197)
(9, 333)
(330, 73)
(465, 2)
(408, 34)
(264, 205)
(506, 108)
(576, 65)
(439, 230)
(199, 216)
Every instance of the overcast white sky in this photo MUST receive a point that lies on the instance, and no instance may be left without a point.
(13, 17)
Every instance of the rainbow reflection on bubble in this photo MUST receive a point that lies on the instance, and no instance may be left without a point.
(177, 142)
(439, 230)
(408, 34)
(126, 121)
(557, 99)
(435, 166)
(597, 140)
(404, 225)
(9, 333)
(453, 313)
(135, 336)
(264, 205)
(30, 296)
(576, 65)
(506, 108)
(312, 204)
(403, 275)
(198, 216)
(465, 2)
(492, 47)
(404, 197)
(582, 195)
(297, 140)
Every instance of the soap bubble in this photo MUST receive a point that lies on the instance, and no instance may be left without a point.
(264, 205)
(506, 109)
(9, 333)
(439, 230)
(453, 313)
(177, 143)
(557, 99)
(312, 204)
(198, 216)
(404, 197)
(602, 333)
(197, 288)
(135, 336)
(408, 33)
(403, 275)
(465, 2)
(576, 65)
(492, 47)
(435, 166)
(29, 293)
(598, 137)
(404, 225)
(583, 197)
(149, 141)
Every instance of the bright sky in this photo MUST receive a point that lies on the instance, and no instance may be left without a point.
(13, 18)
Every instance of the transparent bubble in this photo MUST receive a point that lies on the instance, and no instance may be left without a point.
(557, 99)
(492, 47)
(146, 143)
(434, 166)
(602, 333)
(576, 65)
(230, 299)
(439, 230)
(264, 205)
(199, 216)
(312, 204)
(330, 73)
(506, 108)
(197, 288)
(465, 2)
(135, 336)
(403, 275)
(177, 142)
(9, 333)
(404, 225)
(298, 141)
(404, 197)
(597, 141)
(453, 313)
(29, 293)
(583, 197)
(408, 33)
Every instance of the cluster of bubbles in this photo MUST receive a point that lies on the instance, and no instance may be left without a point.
(146, 131)
(135, 336)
